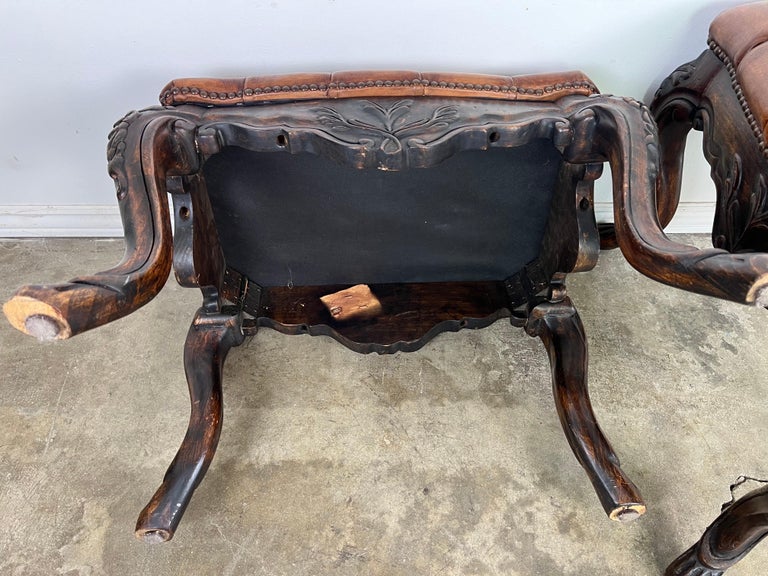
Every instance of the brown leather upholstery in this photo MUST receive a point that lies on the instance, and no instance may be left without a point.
(367, 84)
(739, 37)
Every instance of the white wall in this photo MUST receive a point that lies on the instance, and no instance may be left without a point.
(70, 68)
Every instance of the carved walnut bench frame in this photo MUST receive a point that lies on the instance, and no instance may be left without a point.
(396, 122)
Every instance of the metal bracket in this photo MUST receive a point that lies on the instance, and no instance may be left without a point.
(526, 288)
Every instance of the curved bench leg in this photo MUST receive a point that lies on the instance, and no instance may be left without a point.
(210, 338)
(728, 539)
(560, 328)
(145, 149)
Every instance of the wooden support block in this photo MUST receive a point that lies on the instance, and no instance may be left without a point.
(353, 303)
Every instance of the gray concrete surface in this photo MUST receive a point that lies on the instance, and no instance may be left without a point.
(445, 461)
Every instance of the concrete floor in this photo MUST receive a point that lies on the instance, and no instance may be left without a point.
(445, 461)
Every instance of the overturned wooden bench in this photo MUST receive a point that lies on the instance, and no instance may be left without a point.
(380, 209)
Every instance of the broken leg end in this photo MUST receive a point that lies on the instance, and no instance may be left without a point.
(627, 512)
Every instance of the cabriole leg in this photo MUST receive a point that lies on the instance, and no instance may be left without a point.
(210, 338)
(728, 539)
(560, 328)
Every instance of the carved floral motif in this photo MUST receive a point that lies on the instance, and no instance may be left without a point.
(680, 75)
(115, 149)
(389, 124)
(742, 206)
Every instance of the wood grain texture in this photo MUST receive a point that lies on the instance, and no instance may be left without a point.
(560, 329)
(412, 314)
(704, 95)
(145, 148)
(626, 135)
(382, 133)
(209, 340)
(198, 259)
(377, 123)
(738, 529)
(352, 303)
(722, 93)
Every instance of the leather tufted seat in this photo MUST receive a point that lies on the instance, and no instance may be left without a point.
(362, 84)
(739, 37)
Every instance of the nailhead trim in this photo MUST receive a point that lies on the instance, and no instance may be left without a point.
(756, 128)
(168, 97)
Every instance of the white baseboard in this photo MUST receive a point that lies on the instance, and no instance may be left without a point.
(96, 220)
(72, 220)
(690, 218)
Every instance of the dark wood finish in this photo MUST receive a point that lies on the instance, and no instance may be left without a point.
(738, 529)
(209, 340)
(701, 95)
(163, 146)
(412, 314)
(366, 134)
(553, 129)
(547, 125)
(722, 93)
(415, 145)
(198, 259)
(625, 133)
(558, 325)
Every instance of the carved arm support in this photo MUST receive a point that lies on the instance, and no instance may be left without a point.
(722, 94)
(676, 108)
(625, 135)
(145, 148)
